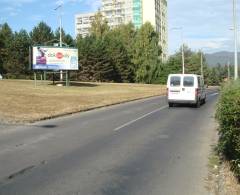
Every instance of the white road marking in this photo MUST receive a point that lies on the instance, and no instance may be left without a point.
(135, 120)
(213, 94)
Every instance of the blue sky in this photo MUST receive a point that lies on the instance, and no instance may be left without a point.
(205, 23)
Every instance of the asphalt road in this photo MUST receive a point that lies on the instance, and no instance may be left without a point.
(137, 148)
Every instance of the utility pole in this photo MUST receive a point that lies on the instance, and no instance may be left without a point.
(183, 57)
(183, 60)
(201, 53)
(229, 74)
(182, 48)
(235, 40)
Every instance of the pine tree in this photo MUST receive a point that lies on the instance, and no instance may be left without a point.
(85, 50)
(95, 64)
(6, 37)
(119, 55)
(66, 38)
(18, 64)
(42, 34)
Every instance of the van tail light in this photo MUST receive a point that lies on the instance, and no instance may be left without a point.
(197, 91)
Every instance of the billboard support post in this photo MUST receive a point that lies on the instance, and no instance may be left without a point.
(30, 58)
(66, 78)
(35, 79)
(41, 77)
(44, 75)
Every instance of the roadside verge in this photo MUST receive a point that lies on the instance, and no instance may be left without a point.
(22, 102)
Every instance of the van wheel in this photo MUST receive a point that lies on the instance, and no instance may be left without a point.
(170, 105)
(198, 104)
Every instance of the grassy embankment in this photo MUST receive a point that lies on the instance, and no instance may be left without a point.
(21, 101)
(225, 160)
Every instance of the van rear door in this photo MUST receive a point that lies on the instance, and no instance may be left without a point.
(188, 88)
(174, 91)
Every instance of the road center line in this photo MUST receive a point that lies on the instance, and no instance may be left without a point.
(135, 120)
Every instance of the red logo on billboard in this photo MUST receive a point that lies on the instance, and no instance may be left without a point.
(59, 55)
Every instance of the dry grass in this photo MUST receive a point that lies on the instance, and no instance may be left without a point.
(228, 183)
(21, 101)
(221, 180)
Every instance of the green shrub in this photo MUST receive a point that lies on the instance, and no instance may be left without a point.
(228, 115)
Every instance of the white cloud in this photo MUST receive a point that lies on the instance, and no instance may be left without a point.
(37, 18)
(3, 19)
(10, 11)
(13, 7)
(59, 2)
(209, 44)
(13, 14)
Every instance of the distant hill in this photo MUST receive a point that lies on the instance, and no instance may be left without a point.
(221, 58)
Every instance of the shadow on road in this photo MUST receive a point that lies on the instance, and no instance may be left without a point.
(48, 126)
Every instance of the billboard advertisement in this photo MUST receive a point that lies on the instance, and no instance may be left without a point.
(54, 58)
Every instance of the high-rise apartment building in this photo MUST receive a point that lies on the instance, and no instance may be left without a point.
(114, 12)
(155, 12)
(83, 23)
(138, 12)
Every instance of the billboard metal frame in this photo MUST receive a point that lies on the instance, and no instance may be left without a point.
(64, 62)
(51, 71)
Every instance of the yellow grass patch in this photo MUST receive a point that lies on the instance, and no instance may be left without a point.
(21, 101)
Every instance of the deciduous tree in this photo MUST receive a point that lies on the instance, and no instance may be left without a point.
(99, 26)
(146, 53)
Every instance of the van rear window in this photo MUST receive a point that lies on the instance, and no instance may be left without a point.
(188, 81)
(175, 81)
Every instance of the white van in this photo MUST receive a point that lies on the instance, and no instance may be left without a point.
(185, 88)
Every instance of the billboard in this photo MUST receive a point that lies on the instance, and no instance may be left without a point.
(54, 58)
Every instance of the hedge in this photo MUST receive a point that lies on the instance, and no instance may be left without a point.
(228, 115)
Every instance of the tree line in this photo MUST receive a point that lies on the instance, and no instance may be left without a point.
(123, 54)
(14, 47)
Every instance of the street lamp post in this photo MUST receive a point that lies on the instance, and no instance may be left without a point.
(60, 32)
(182, 48)
(235, 40)
(183, 57)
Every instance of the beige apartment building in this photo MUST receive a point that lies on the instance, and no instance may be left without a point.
(83, 23)
(136, 11)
